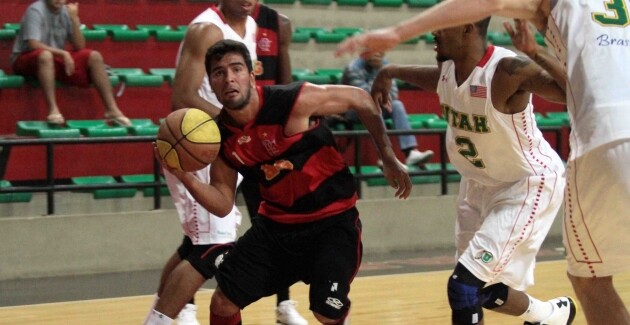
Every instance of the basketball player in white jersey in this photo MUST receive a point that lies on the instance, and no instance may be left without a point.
(592, 39)
(512, 180)
(206, 237)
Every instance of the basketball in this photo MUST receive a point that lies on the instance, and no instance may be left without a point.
(188, 139)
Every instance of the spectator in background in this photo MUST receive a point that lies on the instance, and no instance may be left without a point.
(361, 73)
(273, 67)
(40, 51)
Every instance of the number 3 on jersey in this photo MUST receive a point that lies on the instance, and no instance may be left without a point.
(616, 14)
(469, 151)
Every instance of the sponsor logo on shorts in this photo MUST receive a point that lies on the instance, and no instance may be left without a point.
(219, 259)
(333, 288)
(334, 302)
(485, 257)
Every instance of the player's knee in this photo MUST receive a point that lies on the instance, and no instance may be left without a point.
(222, 305)
(493, 296)
(463, 296)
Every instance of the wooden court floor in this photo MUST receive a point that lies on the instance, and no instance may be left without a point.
(413, 298)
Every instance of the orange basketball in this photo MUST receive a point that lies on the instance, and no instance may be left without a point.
(188, 139)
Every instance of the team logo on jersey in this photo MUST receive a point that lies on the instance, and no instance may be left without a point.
(485, 256)
(271, 171)
(264, 43)
(244, 139)
(270, 146)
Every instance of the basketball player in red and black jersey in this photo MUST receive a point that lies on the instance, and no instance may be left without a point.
(273, 67)
(308, 227)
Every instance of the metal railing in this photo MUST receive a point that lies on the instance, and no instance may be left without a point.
(51, 186)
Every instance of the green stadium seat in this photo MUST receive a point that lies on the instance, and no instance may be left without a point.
(543, 121)
(168, 74)
(124, 35)
(312, 31)
(329, 37)
(170, 35)
(499, 38)
(97, 128)
(144, 80)
(387, 3)
(288, 2)
(296, 73)
(423, 179)
(110, 28)
(449, 167)
(14, 197)
(436, 124)
(371, 170)
(104, 193)
(145, 178)
(540, 39)
(13, 26)
(7, 34)
(334, 74)
(43, 129)
(94, 34)
(417, 121)
(182, 27)
(153, 29)
(315, 78)
(10, 81)
(428, 38)
(316, 2)
(135, 77)
(421, 3)
(300, 37)
(564, 116)
(356, 3)
(142, 127)
(350, 31)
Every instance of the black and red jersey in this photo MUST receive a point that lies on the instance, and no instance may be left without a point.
(302, 177)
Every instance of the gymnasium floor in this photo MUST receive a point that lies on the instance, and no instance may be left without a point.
(112, 285)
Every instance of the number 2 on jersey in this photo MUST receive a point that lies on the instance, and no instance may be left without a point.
(616, 15)
(469, 151)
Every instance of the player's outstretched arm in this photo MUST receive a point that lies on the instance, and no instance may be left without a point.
(191, 68)
(425, 77)
(443, 15)
(326, 100)
(284, 61)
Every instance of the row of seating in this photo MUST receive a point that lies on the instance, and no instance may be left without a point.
(146, 127)
(372, 176)
(132, 77)
(360, 3)
(122, 32)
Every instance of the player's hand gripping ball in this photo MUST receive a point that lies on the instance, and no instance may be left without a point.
(188, 139)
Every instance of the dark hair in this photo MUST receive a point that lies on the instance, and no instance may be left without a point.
(482, 26)
(223, 47)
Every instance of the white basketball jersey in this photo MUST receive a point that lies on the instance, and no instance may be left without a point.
(592, 39)
(214, 16)
(484, 144)
(199, 225)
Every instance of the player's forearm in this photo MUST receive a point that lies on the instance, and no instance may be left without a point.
(370, 117)
(207, 195)
(548, 62)
(458, 12)
(425, 77)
